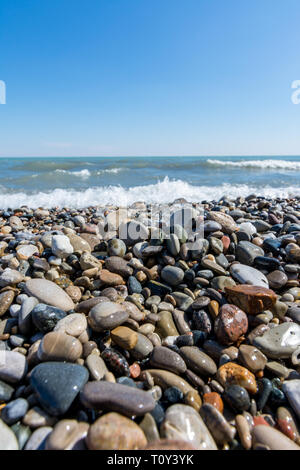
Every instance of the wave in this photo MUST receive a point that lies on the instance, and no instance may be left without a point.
(162, 192)
(81, 173)
(263, 164)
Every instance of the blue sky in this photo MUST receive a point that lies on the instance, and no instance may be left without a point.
(149, 77)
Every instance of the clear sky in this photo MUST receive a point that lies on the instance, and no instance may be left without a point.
(149, 77)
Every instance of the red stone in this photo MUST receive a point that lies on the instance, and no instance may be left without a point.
(230, 324)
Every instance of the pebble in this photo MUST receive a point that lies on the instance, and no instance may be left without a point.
(182, 422)
(107, 316)
(57, 385)
(272, 438)
(279, 342)
(45, 317)
(252, 358)
(172, 275)
(8, 440)
(38, 438)
(164, 358)
(291, 388)
(47, 292)
(237, 397)
(68, 434)
(219, 428)
(115, 432)
(14, 411)
(234, 374)
(252, 299)
(230, 324)
(13, 366)
(198, 361)
(248, 275)
(58, 346)
(117, 397)
(6, 299)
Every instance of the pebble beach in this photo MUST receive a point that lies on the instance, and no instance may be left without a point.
(183, 341)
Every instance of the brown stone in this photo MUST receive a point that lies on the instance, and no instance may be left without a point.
(230, 324)
(234, 374)
(115, 432)
(252, 299)
(5, 301)
(58, 346)
(68, 434)
(124, 337)
(214, 399)
(110, 279)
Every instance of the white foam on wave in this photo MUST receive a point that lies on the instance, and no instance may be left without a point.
(110, 170)
(263, 164)
(162, 192)
(81, 173)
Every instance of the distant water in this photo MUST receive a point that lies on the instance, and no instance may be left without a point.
(81, 182)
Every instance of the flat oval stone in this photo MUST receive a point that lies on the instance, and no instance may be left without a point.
(8, 440)
(183, 423)
(291, 389)
(279, 342)
(96, 366)
(273, 439)
(166, 379)
(165, 325)
(115, 432)
(68, 434)
(198, 361)
(252, 358)
(116, 397)
(45, 317)
(277, 279)
(234, 374)
(230, 324)
(248, 275)
(13, 366)
(172, 275)
(57, 385)
(58, 346)
(252, 299)
(14, 411)
(165, 358)
(107, 316)
(49, 293)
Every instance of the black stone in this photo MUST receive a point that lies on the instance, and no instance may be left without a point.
(45, 317)
(237, 398)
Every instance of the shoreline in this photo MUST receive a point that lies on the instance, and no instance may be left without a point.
(185, 336)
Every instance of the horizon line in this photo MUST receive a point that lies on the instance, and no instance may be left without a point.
(152, 156)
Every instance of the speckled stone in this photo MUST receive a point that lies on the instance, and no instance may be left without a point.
(230, 324)
(117, 397)
(234, 374)
(115, 432)
(6, 299)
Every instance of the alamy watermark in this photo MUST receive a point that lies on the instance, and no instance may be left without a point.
(296, 94)
(2, 92)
